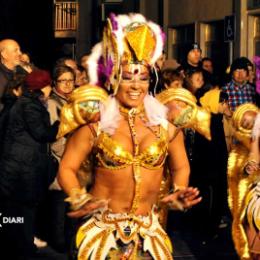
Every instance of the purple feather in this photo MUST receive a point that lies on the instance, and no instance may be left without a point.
(109, 67)
(163, 35)
(114, 22)
(104, 70)
(256, 60)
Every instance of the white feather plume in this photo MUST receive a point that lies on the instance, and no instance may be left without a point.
(109, 115)
(156, 112)
(119, 33)
(123, 20)
(159, 41)
(135, 17)
(92, 62)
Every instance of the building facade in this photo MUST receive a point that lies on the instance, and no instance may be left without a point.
(225, 29)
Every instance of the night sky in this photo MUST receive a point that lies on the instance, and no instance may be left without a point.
(31, 24)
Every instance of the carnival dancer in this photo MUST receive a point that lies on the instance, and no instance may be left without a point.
(252, 220)
(131, 143)
(241, 177)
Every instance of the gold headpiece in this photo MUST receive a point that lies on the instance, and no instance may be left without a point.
(82, 108)
(190, 115)
(126, 39)
(241, 133)
(139, 44)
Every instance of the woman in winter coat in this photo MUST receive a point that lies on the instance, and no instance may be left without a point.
(59, 228)
(25, 164)
(12, 92)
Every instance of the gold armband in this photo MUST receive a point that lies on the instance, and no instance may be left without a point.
(176, 204)
(78, 197)
(252, 161)
(178, 187)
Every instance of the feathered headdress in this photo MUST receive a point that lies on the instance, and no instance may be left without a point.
(126, 39)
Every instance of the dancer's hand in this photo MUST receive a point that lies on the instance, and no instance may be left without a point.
(251, 167)
(182, 199)
(89, 208)
(249, 120)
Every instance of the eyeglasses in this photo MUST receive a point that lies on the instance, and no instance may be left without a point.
(65, 81)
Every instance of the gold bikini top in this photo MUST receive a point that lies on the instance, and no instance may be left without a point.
(111, 155)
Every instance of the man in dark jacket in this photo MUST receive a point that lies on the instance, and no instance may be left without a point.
(9, 59)
(193, 57)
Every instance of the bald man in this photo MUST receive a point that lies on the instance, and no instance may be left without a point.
(9, 59)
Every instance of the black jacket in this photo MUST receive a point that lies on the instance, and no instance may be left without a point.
(8, 101)
(5, 76)
(24, 162)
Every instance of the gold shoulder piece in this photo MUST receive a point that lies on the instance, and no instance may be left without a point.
(177, 94)
(201, 122)
(82, 108)
(184, 112)
(241, 133)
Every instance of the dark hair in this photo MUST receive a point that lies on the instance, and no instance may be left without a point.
(223, 96)
(170, 75)
(188, 74)
(80, 68)
(62, 61)
(59, 70)
(206, 59)
(192, 46)
(15, 83)
(247, 61)
(240, 63)
(83, 55)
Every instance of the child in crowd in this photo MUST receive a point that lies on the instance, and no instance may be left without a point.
(171, 78)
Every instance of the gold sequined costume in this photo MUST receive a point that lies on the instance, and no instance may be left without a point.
(139, 234)
(239, 183)
(92, 237)
(105, 232)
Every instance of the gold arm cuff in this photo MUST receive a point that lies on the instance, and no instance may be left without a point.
(178, 187)
(78, 197)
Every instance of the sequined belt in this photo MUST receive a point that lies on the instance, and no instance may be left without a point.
(102, 231)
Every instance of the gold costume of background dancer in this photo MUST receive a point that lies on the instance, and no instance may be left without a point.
(240, 182)
(131, 142)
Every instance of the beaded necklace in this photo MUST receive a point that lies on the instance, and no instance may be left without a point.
(140, 112)
(130, 115)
